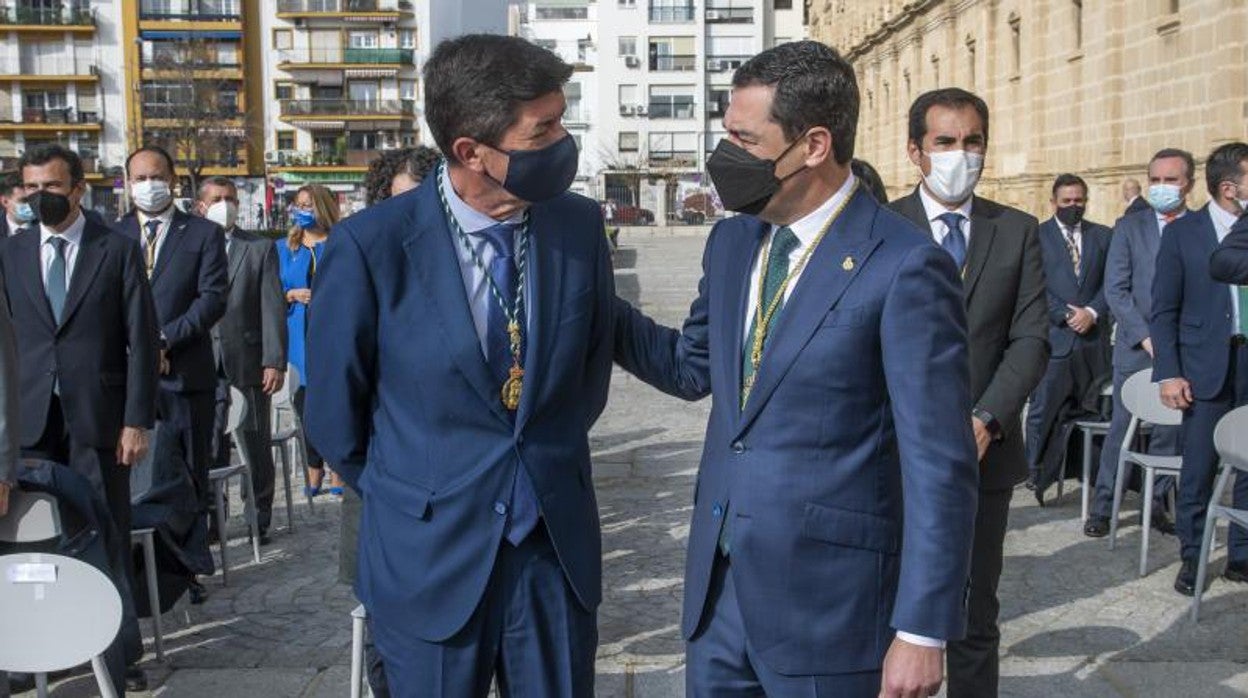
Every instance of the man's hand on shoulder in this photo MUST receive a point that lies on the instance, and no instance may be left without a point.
(912, 671)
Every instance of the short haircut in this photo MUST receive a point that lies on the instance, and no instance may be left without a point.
(10, 182)
(814, 86)
(949, 97)
(1225, 164)
(870, 179)
(1188, 161)
(1068, 180)
(475, 84)
(416, 162)
(43, 154)
(216, 181)
(164, 155)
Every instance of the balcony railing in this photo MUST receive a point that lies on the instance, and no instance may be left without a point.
(671, 15)
(720, 64)
(351, 157)
(182, 111)
(58, 115)
(339, 6)
(179, 63)
(676, 63)
(47, 16)
(354, 56)
(674, 158)
(348, 107)
(729, 15)
(669, 110)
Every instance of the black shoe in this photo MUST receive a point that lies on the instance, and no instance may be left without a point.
(1236, 571)
(1185, 583)
(198, 593)
(136, 679)
(1162, 523)
(1096, 526)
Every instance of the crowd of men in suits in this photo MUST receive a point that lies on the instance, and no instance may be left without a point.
(129, 335)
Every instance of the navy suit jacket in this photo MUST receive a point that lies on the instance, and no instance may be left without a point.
(851, 473)
(402, 402)
(1229, 263)
(1129, 271)
(1063, 288)
(190, 286)
(1192, 320)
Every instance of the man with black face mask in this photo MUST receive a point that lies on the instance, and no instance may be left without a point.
(1074, 251)
(87, 341)
(830, 542)
(458, 353)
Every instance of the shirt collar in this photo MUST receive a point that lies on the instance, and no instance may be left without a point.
(72, 234)
(807, 228)
(1067, 230)
(14, 226)
(1161, 217)
(165, 217)
(470, 219)
(933, 209)
(1222, 220)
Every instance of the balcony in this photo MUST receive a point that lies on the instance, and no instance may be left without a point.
(723, 64)
(51, 119)
(319, 57)
(289, 9)
(322, 158)
(348, 108)
(194, 12)
(184, 112)
(682, 63)
(673, 158)
(54, 17)
(671, 110)
(671, 15)
(729, 15)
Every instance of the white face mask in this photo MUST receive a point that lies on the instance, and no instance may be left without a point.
(151, 195)
(223, 213)
(954, 175)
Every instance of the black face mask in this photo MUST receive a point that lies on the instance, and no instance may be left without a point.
(51, 208)
(1070, 215)
(745, 182)
(543, 173)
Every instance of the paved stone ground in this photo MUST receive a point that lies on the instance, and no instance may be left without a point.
(1077, 621)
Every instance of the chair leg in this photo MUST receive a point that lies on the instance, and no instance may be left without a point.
(253, 520)
(1147, 524)
(221, 537)
(102, 679)
(153, 594)
(290, 503)
(357, 656)
(1113, 513)
(1206, 541)
(41, 684)
(301, 455)
(1084, 497)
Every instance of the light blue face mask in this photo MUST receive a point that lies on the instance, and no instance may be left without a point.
(25, 213)
(1164, 198)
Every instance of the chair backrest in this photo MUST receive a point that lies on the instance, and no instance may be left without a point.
(1142, 398)
(1230, 437)
(294, 381)
(66, 619)
(238, 410)
(32, 517)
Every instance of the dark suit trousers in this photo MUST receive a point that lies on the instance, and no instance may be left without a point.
(529, 631)
(973, 662)
(1161, 441)
(1054, 389)
(1200, 463)
(190, 417)
(721, 663)
(255, 444)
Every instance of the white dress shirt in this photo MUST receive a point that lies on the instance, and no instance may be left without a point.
(933, 209)
(1162, 222)
(1222, 223)
(47, 252)
(166, 219)
(14, 226)
(476, 280)
(806, 230)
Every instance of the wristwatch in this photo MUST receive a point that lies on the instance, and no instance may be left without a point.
(993, 426)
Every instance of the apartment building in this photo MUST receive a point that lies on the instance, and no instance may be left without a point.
(60, 81)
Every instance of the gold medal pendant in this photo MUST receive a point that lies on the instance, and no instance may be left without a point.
(513, 388)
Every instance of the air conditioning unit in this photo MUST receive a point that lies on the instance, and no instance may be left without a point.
(641, 110)
(715, 66)
(713, 15)
(632, 61)
(272, 157)
(626, 110)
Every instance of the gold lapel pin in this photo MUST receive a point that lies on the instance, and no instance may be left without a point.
(848, 264)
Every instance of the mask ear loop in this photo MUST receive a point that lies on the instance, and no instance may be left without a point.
(781, 156)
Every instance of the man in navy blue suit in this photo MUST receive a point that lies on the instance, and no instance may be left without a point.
(1229, 263)
(1074, 251)
(1198, 329)
(832, 521)
(459, 351)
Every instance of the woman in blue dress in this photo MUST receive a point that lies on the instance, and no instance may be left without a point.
(314, 212)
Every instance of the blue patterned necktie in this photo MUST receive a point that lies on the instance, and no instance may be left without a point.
(56, 288)
(502, 237)
(955, 240)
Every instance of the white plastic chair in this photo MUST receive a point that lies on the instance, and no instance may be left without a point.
(287, 438)
(33, 518)
(1230, 438)
(1142, 398)
(220, 477)
(358, 685)
(145, 538)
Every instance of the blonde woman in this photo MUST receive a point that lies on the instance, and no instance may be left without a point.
(314, 212)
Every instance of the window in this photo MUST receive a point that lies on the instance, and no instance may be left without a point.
(366, 92)
(365, 140)
(1076, 9)
(407, 38)
(363, 39)
(572, 94)
(673, 53)
(628, 95)
(408, 140)
(970, 61)
(935, 70)
(227, 101)
(671, 101)
(628, 3)
(783, 5)
(628, 46)
(285, 140)
(283, 39)
(407, 89)
(562, 12)
(717, 101)
(671, 11)
(284, 90)
(1016, 46)
(674, 148)
(584, 49)
(630, 141)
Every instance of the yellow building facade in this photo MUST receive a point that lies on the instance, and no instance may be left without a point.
(1093, 87)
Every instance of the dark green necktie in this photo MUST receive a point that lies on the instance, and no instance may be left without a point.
(1243, 309)
(783, 242)
(56, 288)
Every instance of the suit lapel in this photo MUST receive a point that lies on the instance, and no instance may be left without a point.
(431, 253)
(834, 264)
(545, 303)
(238, 252)
(86, 268)
(1089, 251)
(730, 306)
(173, 240)
(983, 233)
(26, 249)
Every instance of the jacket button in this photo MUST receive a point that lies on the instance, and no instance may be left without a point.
(738, 447)
(500, 508)
(717, 511)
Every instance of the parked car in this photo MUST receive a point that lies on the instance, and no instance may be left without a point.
(627, 214)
